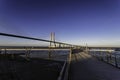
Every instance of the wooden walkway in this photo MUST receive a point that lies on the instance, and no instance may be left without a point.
(86, 67)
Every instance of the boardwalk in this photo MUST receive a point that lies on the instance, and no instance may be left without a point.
(85, 67)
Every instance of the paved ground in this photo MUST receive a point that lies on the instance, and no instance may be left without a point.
(34, 69)
(85, 67)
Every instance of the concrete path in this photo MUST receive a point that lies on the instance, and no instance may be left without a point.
(86, 67)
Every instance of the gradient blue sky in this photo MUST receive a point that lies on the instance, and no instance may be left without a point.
(95, 22)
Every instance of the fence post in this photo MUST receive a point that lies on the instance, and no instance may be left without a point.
(116, 64)
(27, 54)
(49, 52)
(110, 57)
(101, 53)
(107, 57)
(70, 54)
(5, 52)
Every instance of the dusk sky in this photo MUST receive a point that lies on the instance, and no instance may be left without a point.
(95, 22)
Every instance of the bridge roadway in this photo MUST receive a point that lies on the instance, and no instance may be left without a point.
(86, 67)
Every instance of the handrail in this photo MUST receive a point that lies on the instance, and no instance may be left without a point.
(106, 57)
(62, 71)
(65, 68)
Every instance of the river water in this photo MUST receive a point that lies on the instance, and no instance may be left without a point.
(58, 54)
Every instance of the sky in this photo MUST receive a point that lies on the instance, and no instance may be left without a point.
(95, 22)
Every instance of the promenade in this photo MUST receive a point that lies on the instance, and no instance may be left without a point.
(86, 67)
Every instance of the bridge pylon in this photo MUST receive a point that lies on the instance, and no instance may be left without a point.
(52, 39)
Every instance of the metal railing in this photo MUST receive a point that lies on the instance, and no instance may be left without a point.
(112, 58)
(63, 75)
(65, 69)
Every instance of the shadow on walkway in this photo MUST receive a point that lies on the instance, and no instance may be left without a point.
(85, 67)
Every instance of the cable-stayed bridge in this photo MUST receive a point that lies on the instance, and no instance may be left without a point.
(44, 40)
(64, 61)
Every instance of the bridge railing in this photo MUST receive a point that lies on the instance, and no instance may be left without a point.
(65, 69)
(13, 51)
(111, 57)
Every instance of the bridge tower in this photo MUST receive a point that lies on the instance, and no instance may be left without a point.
(52, 44)
(52, 39)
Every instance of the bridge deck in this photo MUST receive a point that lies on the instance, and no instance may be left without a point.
(86, 67)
